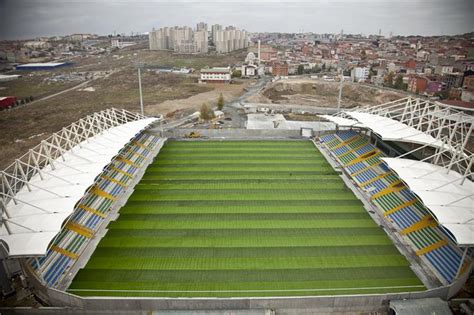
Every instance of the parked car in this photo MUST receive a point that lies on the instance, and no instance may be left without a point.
(7, 102)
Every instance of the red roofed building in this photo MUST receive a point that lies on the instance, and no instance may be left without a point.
(410, 64)
(417, 84)
(280, 69)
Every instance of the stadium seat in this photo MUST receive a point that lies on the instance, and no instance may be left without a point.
(362, 161)
(93, 209)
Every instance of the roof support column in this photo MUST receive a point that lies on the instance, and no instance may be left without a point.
(405, 108)
(454, 156)
(438, 136)
(36, 163)
(441, 150)
(431, 118)
(468, 169)
(16, 200)
(4, 210)
(423, 115)
(33, 185)
(466, 140)
(9, 188)
(25, 178)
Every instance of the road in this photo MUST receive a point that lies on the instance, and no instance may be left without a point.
(235, 108)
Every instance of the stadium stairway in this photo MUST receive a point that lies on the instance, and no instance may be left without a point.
(93, 209)
(400, 207)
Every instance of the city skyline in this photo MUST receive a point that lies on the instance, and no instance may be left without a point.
(28, 19)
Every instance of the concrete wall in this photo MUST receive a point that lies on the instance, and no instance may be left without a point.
(351, 303)
(459, 283)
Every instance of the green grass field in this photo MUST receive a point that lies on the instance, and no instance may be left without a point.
(235, 219)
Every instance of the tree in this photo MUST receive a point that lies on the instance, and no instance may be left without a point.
(323, 67)
(206, 112)
(237, 73)
(220, 102)
(388, 80)
(300, 70)
(442, 94)
(399, 83)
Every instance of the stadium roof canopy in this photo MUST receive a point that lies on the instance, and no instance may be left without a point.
(393, 130)
(41, 189)
(343, 122)
(446, 193)
(413, 120)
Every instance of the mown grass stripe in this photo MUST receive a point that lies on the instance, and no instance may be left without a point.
(179, 208)
(239, 224)
(302, 274)
(246, 251)
(243, 241)
(243, 216)
(243, 263)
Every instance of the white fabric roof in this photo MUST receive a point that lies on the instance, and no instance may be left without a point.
(37, 217)
(451, 203)
(393, 130)
(345, 122)
(43, 64)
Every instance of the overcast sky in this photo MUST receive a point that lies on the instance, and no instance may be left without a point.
(32, 18)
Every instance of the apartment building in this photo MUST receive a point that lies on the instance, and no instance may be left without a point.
(179, 39)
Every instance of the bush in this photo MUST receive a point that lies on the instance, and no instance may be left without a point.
(220, 102)
(206, 113)
(300, 69)
(237, 73)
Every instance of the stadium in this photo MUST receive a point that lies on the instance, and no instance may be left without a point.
(113, 212)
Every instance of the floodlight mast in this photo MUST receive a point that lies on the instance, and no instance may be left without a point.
(340, 92)
(140, 89)
(340, 87)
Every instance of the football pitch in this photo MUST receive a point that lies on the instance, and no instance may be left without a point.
(243, 219)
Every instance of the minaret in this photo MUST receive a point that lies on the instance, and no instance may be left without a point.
(258, 52)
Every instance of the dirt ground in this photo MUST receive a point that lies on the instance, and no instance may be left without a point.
(229, 92)
(323, 94)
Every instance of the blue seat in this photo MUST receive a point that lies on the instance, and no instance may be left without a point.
(345, 135)
(365, 149)
(433, 259)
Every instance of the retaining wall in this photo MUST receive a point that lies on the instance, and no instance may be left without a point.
(353, 303)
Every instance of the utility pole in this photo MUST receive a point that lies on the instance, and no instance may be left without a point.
(340, 88)
(140, 89)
